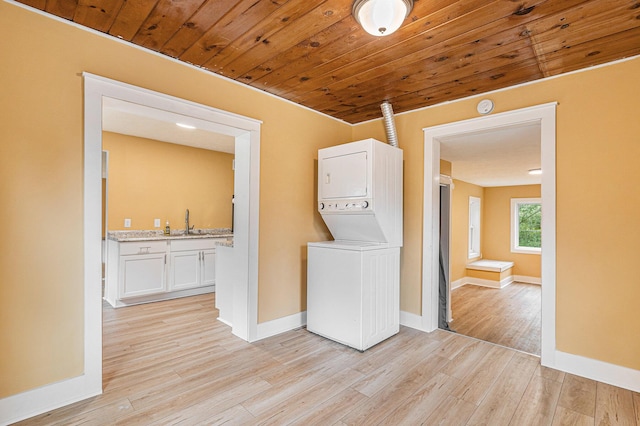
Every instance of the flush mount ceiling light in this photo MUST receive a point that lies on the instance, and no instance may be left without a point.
(381, 17)
(535, 172)
(185, 126)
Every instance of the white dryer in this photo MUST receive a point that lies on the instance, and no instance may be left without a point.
(353, 282)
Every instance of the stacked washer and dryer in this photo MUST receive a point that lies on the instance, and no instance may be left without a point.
(353, 282)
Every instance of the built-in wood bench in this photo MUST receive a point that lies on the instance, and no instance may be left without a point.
(490, 273)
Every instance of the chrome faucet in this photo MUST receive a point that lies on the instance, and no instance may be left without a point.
(186, 223)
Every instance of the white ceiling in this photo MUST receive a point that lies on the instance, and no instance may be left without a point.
(499, 157)
(137, 120)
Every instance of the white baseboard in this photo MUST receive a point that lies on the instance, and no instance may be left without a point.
(224, 321)
(120, 303)
(482, 282)
(612, 374)
(46, 398)
(527, 280)
(280, 325)
(411, 320)
(516, 278)
(458, 283)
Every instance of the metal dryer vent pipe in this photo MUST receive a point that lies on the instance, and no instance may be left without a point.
(389, 124)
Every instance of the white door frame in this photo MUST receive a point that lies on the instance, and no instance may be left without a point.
(246, 132)
(545, 115)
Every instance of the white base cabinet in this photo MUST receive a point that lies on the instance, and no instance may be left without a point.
(185, 269)
(209, 267)
(192, 264)
(141, 275)
(148, 271)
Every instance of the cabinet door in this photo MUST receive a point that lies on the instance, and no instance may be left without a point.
(208, 267)
(185, 270)
(141, 275)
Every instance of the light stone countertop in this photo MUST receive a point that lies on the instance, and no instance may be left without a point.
(224, 234)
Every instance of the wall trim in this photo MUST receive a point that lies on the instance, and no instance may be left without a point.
(601, 371)
(411, 320)
(291, 322)
(458, 283)
(46, 398)
(527, 280)
(483, 282)
(516, 278)
(281, 325)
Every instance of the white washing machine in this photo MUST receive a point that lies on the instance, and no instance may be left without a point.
(353, 292)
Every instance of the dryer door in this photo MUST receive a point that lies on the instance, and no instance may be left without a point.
(344, 176)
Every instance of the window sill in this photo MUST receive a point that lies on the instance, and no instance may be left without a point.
(524, 250)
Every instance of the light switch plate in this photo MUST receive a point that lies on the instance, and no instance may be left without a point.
(127, 223)
(156, 223)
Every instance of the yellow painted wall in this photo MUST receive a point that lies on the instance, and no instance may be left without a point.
(598, 200)
(149, 179)
(41, 181)
(445, 167)
(497, 228)
(460, 226)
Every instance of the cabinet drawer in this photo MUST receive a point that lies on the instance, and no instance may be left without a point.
(193, 244)
(142, 247)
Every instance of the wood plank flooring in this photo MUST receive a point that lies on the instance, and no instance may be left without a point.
(172, 363)
(509, 316)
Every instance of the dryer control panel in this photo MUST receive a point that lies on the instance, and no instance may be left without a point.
(345, 206)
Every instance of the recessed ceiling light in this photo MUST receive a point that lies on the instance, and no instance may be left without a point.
(185, 126)
(535, 171)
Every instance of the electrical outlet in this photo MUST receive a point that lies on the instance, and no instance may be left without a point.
(127, 223)
(156, 223)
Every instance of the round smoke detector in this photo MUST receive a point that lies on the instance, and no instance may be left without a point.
(485, 106)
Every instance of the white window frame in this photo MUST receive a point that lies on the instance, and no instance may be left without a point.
(515, 226)
(475, 216)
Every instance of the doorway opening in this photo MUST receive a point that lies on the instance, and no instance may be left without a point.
(493, 292)
(159, 170)
(246, 135)
(542, 116)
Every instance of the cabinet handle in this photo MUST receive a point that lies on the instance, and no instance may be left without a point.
(165, 259)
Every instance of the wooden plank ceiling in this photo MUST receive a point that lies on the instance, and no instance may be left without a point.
(315, 54)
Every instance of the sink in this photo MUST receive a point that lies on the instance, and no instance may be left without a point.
(209, 233)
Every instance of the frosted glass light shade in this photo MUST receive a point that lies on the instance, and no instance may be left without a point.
(381, 17)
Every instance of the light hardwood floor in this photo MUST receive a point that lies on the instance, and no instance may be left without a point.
(172, 363)
(509, 316)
